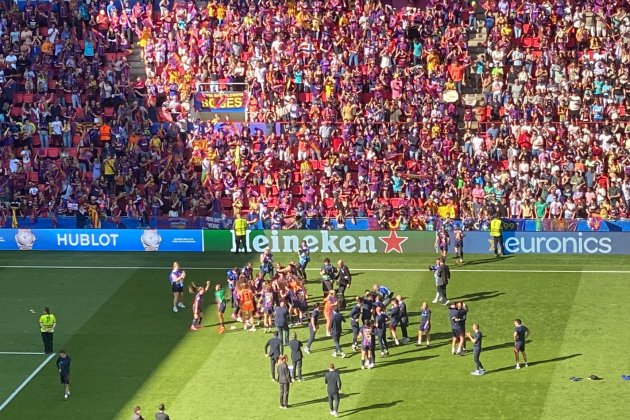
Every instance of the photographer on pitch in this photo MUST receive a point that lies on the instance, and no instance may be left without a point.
(442, 275)
(328, 273)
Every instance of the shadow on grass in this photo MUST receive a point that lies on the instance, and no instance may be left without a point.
(370, 407)
(537, 362)
(472, 297)
(486, 260)
(502, 346)
(321, 400)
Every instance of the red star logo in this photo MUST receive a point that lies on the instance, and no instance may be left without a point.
(393, 242)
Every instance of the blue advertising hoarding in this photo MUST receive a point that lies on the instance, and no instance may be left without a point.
(168, 240)
(587, 243)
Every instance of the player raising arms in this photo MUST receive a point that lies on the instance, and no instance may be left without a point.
(219, 297)
(366, 335)
(197, 306)
(176, 278)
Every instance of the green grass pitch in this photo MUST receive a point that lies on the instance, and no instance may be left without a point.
(128, 348)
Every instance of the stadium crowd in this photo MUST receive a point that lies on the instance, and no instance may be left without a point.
(362, 94)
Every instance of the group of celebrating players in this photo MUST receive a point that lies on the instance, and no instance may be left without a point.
(278, 297)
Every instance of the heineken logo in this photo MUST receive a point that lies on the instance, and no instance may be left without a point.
(324, 241)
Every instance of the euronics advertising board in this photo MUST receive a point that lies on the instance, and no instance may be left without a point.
(371, 242)
(101, 240)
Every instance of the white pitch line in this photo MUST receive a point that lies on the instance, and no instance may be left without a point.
(411, 270)
(20, 353)
(26, 381)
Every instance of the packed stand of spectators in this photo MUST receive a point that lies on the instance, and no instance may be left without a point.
(360, 92)
(555, 78)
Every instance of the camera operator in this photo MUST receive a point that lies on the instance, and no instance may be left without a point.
(328, 273)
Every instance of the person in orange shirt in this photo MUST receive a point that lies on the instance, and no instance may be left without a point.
(246, 297)
(329, 302)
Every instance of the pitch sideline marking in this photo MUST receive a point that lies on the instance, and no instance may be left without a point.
(413, 270)
(26, 381)
(19, 353)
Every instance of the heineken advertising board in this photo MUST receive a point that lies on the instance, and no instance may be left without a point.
(343, 242)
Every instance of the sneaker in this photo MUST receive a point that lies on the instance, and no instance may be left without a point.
(475, 373)
(194, 328)
(434, 301)
(239, 319)
(526, 365)
(343, 355)
(405, 340)
(518, 366)
(447, 302)
(232, 327)
(221, 330)
(371, 365)
(181, 305)
(482, 372)
(397, 342)
(65, 396)
(354, 347)
(386, 352)
(334, 413)
(362, 366)
(252, 329)
(334, 354)
(307, 350)
(175, 309)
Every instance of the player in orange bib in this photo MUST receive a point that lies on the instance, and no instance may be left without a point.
(246, 297)
(329, 302)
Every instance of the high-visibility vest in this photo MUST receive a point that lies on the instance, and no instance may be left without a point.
(495, 227)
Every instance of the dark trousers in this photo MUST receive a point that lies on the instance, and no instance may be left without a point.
(241, 240)
(342, 290)
(476, 353)
(297, 369)
(273, 360)
(284, 395)
(355, 332)
(403, 328)
(336, 339)
(283, 334)
(311, 337)
(441, 291)
(327, 286)
(47, 338)
(333, 401)
(382, 341)
(498, 242)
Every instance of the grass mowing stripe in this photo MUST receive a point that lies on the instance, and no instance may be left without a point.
(26, 381)
(403, 270)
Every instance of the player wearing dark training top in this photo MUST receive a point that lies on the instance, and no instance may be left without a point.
(476, 337)
(521, 332)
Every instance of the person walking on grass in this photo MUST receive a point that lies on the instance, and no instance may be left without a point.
(176, 278)
(476, 337)
(521, 332)
(47, 324)
(296, 357)
(333, 385)
(285, 380)
(335, 331)
(219, 297)
(273, 350)
(63, 364)
(313, 325)
(197, 306)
